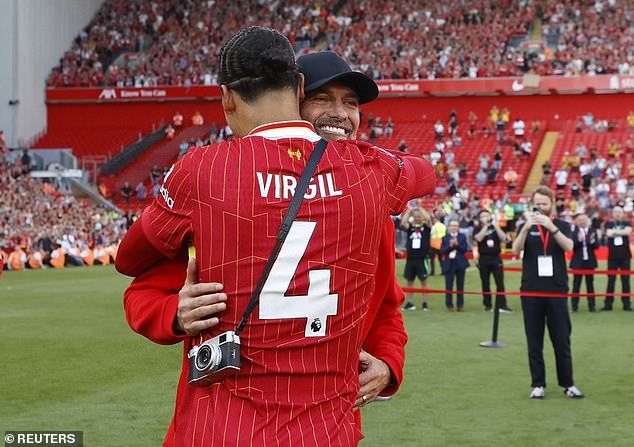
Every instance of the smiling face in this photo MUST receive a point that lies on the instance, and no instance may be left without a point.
(333, 110)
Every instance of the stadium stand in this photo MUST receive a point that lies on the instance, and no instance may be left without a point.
(174, 43)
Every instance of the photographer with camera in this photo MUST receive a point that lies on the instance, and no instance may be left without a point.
(544, 240)
(489, 237)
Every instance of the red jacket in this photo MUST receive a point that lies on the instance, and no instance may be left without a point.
(151, 302)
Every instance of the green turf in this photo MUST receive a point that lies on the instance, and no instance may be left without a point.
(70, 362)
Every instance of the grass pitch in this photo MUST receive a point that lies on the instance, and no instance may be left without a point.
(70, 362)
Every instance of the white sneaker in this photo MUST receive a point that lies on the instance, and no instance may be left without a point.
(537, 393)
(573, 392)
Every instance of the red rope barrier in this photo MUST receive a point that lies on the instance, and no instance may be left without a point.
(582, 272)
(539, 294)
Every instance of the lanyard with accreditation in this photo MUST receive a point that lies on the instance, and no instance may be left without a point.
(544, 262)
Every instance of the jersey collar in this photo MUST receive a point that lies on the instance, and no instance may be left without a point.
(286, 129)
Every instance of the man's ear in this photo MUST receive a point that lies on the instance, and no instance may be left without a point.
(300, 87)
(228, 100)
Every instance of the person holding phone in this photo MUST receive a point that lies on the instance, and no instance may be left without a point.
(544, 240)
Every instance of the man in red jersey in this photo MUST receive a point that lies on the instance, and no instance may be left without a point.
(295, 385)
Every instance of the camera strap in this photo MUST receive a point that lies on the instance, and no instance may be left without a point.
(289, 217)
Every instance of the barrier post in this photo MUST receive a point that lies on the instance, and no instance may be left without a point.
(493, 343)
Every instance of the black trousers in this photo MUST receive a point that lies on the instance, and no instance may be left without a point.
(552, 312)
(492, 265)
(618, 264)
(576, 287)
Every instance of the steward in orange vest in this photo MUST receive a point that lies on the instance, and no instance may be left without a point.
(36, 260)
(17, 259)
(58, 258)
(88, 256)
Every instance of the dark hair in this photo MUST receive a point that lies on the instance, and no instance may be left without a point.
(256, 60)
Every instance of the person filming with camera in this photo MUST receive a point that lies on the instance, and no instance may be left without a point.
(544, 240)
(489, 237)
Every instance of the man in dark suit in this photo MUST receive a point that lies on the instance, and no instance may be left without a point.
(585, 242)
(453, 249)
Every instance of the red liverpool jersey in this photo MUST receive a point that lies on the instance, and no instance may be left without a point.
(298, 379)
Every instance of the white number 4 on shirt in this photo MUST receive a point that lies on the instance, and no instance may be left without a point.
(317, 305)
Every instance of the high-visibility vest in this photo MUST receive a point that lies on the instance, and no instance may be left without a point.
(438, 231)
(5, 258)
(58, 258)
(102, 255)
(16, 260)
(112, 251)
(88, 256)
(178, 120)
(36, 260)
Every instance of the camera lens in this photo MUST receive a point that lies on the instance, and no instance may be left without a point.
(203, 358)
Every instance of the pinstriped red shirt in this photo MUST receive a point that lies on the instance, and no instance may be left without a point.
(299, 377)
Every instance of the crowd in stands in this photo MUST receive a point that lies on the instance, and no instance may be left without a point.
(169, 42)
(44, 226)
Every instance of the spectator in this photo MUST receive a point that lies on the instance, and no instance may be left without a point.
(182, 149)
(473, 124)
(518, 128)
(527, 148)
(177, 120)
(197, 119)
(497, 158)
(450, 157)
(141, 192)
(402, 146)
(453, 123)
(484, 161)
(170, 132)
(499, 128)
(462, 169)
(481, 177)
(510, 176)
(389, 128)
(126, 192)
(492, 175)
(630, 121)
(155, 175)
(561, 178)
(439, 130)
(536, 125)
